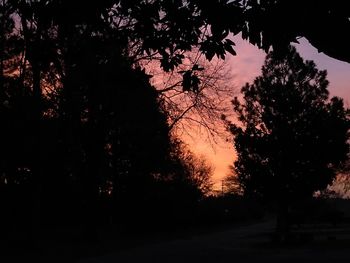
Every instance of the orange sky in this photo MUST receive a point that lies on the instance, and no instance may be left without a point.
(245, 67)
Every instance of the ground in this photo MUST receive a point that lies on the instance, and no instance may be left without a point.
(250, 243)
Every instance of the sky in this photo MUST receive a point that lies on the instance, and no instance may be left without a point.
(244, 68)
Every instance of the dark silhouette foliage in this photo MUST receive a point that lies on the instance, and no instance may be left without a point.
(291, 137)
(323, 24)
(85, 138)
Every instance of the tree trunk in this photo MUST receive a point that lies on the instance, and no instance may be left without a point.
(282, 224)
(37, 187)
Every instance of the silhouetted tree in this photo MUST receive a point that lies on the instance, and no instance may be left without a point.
(194, 171)
(92, 48)
(231, 183)
(340, 186)
(291, 137)
(194, 110)
(139, 139)
(92, 121)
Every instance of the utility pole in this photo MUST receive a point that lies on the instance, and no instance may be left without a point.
(222, 187)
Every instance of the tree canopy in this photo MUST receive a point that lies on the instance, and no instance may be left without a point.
(80, 116)
(83, 126)
(324, 24)
(291, 137)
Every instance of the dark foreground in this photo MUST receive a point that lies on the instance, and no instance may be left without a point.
(251, 243)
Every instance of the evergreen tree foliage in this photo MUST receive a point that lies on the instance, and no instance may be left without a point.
(291, 137)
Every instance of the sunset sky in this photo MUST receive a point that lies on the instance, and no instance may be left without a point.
(245, 67)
